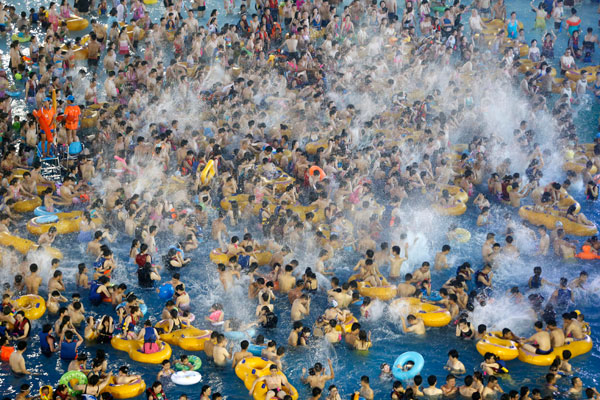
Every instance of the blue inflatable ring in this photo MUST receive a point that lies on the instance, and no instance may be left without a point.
(46, 219)
(256, 349)
(401, 361)
(41, 210)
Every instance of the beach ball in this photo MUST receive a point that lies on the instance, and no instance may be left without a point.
(18, 76)
(166, 292)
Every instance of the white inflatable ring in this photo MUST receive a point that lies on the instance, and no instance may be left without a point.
(186, 378)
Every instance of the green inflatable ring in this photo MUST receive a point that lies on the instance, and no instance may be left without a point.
(21, 39)
(73, 375)
(194, 360)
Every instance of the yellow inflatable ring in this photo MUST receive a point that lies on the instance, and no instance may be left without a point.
(549, 220)
(384, 293)
(128, 391)
(493, 343)
(576, 347)
(432, 315)
(28, 205)
(208, 172)
(194, 342)
(252, 368)
(150, 358)
(24, 246)
(461, 235)
(33, 305)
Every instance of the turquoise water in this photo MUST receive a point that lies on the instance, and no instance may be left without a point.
(386, 330)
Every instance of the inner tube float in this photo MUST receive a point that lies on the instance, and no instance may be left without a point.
(24, 246)
(13, 93)
(384, 293)
(33, 305)
(194, 360)
(459, 208)
(65, 222)
(24, 206)
(313, 147)
(194, 342)
(72, 378)
(134, 347)
(252, 368)
(208, 172)
(240, 335)
(346, 325)
(218, 257)
(75, 23)
(461, 235)
(550, 219)
(412, 356)
(315, 168)
(256, 349)
(186, 378)
(21, 37)
(504, 349)
(576, 347)
(41, 210)
(128, 391)
(47, 396)
(432, 315)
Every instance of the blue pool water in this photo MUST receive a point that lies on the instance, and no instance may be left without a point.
(388, 340)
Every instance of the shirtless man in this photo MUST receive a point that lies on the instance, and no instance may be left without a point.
(287, 280)
(405, 289)
(557, 336)
(33, 281)
(56, 282)
(209, 345)
(300, 308)
(319, 379)
(486, 249)
(541, 341)
(440, 258)
(240, 355)
(396, 261)
(274, 382)
(220, 353)
(421, 274)
(572, 327)
(16, 360)
(416, 325)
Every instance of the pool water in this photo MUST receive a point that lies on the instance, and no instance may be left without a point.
(388, 341)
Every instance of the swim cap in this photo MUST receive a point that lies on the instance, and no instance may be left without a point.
(70, 97)
(47, 99)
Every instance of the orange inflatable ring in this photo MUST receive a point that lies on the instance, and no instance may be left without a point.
(314, 168)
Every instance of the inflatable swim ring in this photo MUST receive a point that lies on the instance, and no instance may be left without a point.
(33, 305)
(24, 246)
(194, 342)
(576, 347)
(72, 378)
(549, 220)
(186, 378)
(412, 356)
(432, 315)
(194, 360)
(504, 349)
(128, 391)
(27, 205)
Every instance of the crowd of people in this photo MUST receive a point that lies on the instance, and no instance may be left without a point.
(302, 133)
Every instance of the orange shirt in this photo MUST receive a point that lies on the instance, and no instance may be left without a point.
(72, 114)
